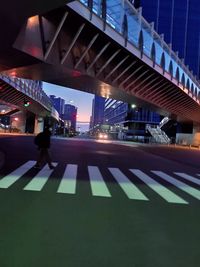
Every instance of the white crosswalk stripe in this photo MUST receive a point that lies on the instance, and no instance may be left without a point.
(127, 186)
(97, 183)
(11, 178)
(99, 186)
(68, 182)
(38, 182)
(184, 187)
(188, 177)
(164, 192)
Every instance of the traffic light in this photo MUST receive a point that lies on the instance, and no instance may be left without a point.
(26, 103)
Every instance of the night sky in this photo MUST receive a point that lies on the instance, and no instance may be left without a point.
(82, 100)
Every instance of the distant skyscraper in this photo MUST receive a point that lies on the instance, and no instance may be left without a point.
(58, 104)
(98, 105)
(70, 115)
(179, 20)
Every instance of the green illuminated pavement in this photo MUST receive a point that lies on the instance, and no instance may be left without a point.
(93, 211)
(49, 229)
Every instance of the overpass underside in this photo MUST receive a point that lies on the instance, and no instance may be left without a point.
(75, 49)
(10, 96)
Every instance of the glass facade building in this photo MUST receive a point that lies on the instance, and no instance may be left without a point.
(58, 103)
(140, 33)
(98, 105)
(70, 115)
(179, 21)
(131, 119)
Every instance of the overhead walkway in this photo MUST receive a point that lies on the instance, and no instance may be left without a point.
(14, 91)
(108, 48)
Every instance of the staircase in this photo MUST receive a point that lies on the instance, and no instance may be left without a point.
(158, 135)
(163, 122)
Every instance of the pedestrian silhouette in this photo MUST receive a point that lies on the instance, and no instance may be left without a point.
(43, 141)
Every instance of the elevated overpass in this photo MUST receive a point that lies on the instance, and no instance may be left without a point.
(15, 92)
(106, 47)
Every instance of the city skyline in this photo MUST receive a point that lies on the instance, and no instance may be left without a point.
(82, 100)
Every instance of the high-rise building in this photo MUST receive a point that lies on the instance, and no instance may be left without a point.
(58, 104)
(179, 21)
(69, 116)
(98, 105)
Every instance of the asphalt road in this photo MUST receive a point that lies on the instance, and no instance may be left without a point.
(112, 210)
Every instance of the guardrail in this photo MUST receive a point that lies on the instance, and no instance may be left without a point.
(125, 19)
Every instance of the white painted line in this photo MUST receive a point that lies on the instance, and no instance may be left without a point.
(186, 188)
(188, 177)
(165, 193)
(97, 183)
(127, 186)
(11, 178)
(68, 182)
(37, 183)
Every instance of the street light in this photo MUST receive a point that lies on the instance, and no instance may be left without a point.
(133, 106)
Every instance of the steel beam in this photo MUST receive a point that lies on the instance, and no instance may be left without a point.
(107, 62)
(72, 43)
(98, 56)
(55, 36)
(118, 65)
(123, 72)
(86, 50)
(140, 76)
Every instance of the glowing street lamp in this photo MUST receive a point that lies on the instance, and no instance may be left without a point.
(133, 106)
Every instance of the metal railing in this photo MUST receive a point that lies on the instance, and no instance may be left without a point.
(124, 18)
(30, 88)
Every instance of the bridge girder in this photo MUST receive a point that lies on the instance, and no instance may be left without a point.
(73, 49)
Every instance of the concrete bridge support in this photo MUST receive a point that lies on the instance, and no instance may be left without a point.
(188, 134)
(39, 124)
(18, 122)
(26, 122)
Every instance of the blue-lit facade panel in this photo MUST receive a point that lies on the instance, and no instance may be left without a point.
(97, 111)
(179, 20)
(117, 112)
(171, 18)
(70, 114)
(193, 37)
(58, 104)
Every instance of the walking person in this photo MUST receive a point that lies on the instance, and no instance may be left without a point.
(43, 141)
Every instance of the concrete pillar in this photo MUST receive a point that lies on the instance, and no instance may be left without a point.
(188, 134)
(39, 124)
(18, 122)
(196, 135)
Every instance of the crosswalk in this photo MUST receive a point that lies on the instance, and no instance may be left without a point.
(175, 188)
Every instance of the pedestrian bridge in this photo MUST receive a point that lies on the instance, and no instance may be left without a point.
(14, 92)
(108, 48)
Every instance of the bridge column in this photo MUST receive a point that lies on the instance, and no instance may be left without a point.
(39, 124)
(196, 135)
(188, 133)
(18, 122)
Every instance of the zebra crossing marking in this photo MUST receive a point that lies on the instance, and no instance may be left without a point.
(184, 187)
(38, 182)
(97, 183)
(164, 192)
(11, 178)
(68, 182)
(188, 177)
(127, 186)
